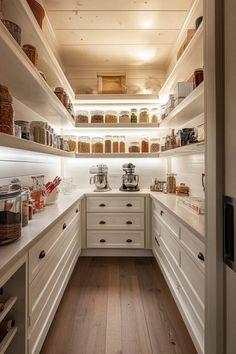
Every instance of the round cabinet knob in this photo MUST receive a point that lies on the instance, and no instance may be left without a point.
(129, 222)
(129, 205)
(102, 205)
(129, 240)
(201, 256)
(77, 210)
(42, 254)
(64, 226)
(102, 240)
(102, 222)
(161, 212)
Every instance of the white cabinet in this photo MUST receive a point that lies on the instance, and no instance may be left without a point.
(51, 262)
(180, 254)
(115, 222)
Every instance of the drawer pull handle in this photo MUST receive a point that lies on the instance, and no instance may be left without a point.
(129, 222)
(129, 240)
(201, 256)
(77, 210)
(64, 226)
(102, 240)
(102, 222)
(157, 242)
(42, 254)
(129, 205)
(102, 205)
(161, 212)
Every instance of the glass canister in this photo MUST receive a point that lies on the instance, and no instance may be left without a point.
(144, 115)
(97, 145)
(145, 144)
(124, 117)
(31, 53)
(155, 145)
(59, 92)
(25, 129)
(122, 144)
(111, 117)
(6, 111)
(83, 145)
(10, 215)
(198, 77)
(108, 140)
(134, 147)
(171, 183)
(115, 145)
(39, 130)
(173, 141)
(97, 117)
(25, 194)
(82, 117)
(72, 142)
(134, 115)
(154, 116)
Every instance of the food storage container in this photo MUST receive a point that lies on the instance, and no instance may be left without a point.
(173, 143)
(97, 145)
(31, 53)
(97, 117)
(6, 118)
(122, 144)
(82, 117)
(198, 77)
(40, 133)
(25, 194)
(17, 131)
(115, 144)
(65, 100)
(111, 117)
(5, 95)
(145, 144)
(155, 145)
(134, 147)
(154, 116)
(72, 142)
(37, 10)
(171, 183)
(134, 115)
(14, 29)
(144, 115)
(10, 215)
(108, 141)
(59, 92)
(25, 129)
(124, 117)
(84, 145)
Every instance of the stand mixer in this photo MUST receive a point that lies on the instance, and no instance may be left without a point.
(99, 179)
(129, 179)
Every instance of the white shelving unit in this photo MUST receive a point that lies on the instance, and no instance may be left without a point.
(189, 108)
(196, 148)
(115, 99)
(124, 155)
(88, 126)
(22, 144)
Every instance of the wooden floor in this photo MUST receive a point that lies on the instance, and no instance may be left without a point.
(117, 306)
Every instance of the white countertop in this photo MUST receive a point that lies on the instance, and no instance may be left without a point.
(43, 220)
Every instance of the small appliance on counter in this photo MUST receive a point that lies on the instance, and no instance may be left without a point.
(129, 179)
(100, 178)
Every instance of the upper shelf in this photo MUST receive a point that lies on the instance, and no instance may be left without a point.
(135, 126)
(196, 148)
(27, 85)
(191, 59)
(189, 108)
(115, 99)
(19, 12)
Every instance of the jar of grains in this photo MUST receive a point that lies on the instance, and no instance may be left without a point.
(40, 134)
(82, 117)
(154, 116)
(97, 145)
(108, 140)
(145, 144)
(84, 145)
(134, 147)
(122, 144)
(124, 117)
(155, 145)
(144, 115)
(97, 117)
(25, 129)
(115, 145)
(111, 117)
(72, 143)
(6, 111)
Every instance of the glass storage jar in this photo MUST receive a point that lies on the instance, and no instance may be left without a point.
(82, 117)
(25, 196)
(111, 117)
(124, 117)
(134, 147)
(10, 214)
(115, 145)
(97, 145)
(144, 115)
(6, 111)
(97, 117)
(39, 130)
(108, 140)
(145, 144)
(155, 145)
(31, 53)
(134, 115)
(72, 142)
(84, 145)
(171, 183)
(154, 116)
(122, 144)
(26, 132)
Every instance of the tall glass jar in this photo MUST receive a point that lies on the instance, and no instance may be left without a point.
(111, 117)
(154, 116)
(97, 145)
(97, 116)
(82, 117)
(122, 144)
(108, 141)
(155, 145)
(145, 144)
(134, 115)
(84, 145)
(144, 115)
(115, 145)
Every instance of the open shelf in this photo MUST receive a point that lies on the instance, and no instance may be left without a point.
(124, 155)
(7, 340)
(19, 12)
(117, 125)
(11, 141)
(115, 99)
(27, 85)
(7, 307)
(189, 108)
(196, 148)
(191, 59)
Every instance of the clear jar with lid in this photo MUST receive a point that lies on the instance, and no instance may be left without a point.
(134, 147)
(115, 145)
(154, 116)
(97, 145)
(39, 130)
(145, 144)
(25, 129)
(171, 183)
(72, 142)
(97, 116)
(122, 144)
(82, 117)
(25, 196)
(108, 141)
(124, 117)
(84, 145)
(144, 115)
(134, 115)
(111, 117)
(155, 145)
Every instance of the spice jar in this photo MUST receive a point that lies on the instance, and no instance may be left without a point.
(171, 183)
(108, 140)
(10, 215)
(134, 147)
(84, 145)
(111, 117)
(25, 129)
(122, 144)
(198, 77)
(115, 144)
(97, 117)
(155, 145)
(124, 117)
(82, 117)
(6, 111)
(145, 144)
(25, 207)
(39, 130)
(134, 116)
(97, 145)
(143, 115)
(31, 53)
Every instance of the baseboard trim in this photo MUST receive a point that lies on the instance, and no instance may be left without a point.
(94, 252)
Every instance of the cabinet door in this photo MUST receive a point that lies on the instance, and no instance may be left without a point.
(115, 239)
(115, 204)
(102, 221)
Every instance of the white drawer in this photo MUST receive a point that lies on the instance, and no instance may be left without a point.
(169, 220)
(115, 204)
(193, 246)
(115, 239)
(128, 221)
(40, 252)
(169, 245)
